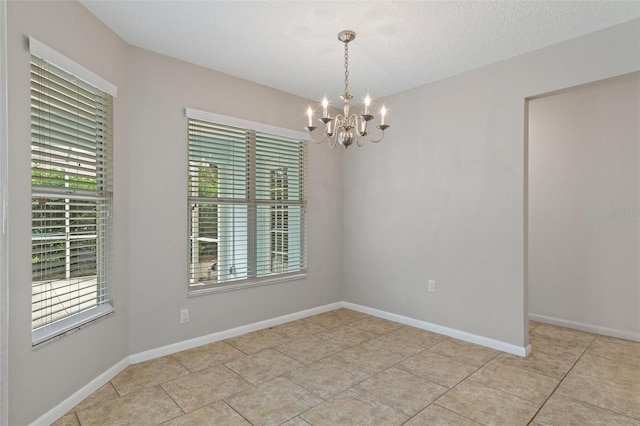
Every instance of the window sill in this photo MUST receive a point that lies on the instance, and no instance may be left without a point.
(239, 285)
(68, 325)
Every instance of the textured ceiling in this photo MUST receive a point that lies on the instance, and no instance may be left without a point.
(293, 46)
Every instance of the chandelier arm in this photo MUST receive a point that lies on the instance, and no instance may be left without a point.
(381, 137)
(353, 121)
(324, 137)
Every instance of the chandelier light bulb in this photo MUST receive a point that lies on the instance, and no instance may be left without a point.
(345, 128)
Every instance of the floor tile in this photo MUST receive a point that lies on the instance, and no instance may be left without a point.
(526, 384)
(376, 325)
(350, 313)
(147, 407)
(207, 356)
(464, 352)
(437, 368)
(435, 415)
(624, 342)
(69, 419)
(556, 346)
(326, 378)
(263, 366)
(211, 415)
(102, 395)
(368, 358)
(257, 341)
(563, 336)
(546, 358)
(309, 349)
(296, 421)
(606, 385)
(620, 373)
(297, 329)
(346, 336)
(148, 374)
(560, 410)
(486, 405)
(616, 350)
(273, 402)
(205, 387)
(350, 408)
(336, 318)
(407, 341)
(400, 390)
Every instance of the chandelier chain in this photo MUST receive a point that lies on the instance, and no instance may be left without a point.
(346, 68)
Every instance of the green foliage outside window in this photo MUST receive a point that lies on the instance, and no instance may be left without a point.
(207, 212)
(53, 217)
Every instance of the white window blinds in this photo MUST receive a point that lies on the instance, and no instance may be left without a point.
(247, 205)
(71, 189)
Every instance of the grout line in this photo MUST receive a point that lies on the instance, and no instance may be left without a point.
(561, 380)
(175, 402)
(236, 411)
(451, 411)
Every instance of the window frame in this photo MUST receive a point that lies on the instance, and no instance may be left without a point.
(252, 203)
(93, 188)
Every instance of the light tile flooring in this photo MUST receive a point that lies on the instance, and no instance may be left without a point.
(347, 368)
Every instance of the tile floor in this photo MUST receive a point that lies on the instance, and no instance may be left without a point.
(347, 368)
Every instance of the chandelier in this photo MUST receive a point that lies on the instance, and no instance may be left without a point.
(342, 128)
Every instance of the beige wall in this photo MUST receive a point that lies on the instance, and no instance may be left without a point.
(443, 196)
(40, 379)
(584, 210)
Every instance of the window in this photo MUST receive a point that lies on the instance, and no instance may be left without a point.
(247, 203)
(71, 190)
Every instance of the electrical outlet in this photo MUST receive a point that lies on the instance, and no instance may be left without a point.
(184, 316)
(431, 286)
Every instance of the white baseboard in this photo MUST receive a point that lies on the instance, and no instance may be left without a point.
(451, 332)
(63, 408)
(226, 334)
(589, 328)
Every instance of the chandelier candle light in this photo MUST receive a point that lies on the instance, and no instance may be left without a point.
(340, 129)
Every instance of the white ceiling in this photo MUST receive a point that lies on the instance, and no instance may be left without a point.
(293, 46)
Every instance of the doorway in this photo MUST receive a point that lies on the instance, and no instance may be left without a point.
(584, 207)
